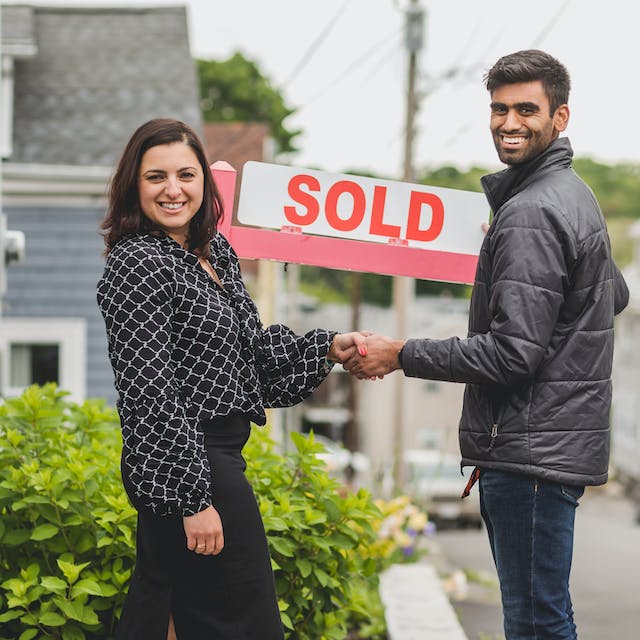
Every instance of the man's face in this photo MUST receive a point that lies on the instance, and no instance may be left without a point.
(521, 125)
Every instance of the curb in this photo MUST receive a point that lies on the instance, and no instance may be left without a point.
(416, 607)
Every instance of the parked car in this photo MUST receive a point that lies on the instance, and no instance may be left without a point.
(434, 481)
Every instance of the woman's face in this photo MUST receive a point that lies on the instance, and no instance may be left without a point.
(171, 188)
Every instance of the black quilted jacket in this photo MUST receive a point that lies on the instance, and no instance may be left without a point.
(184, 350)
(538, 356)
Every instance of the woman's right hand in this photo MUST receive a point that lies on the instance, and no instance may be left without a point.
(344, 345)
(204, 532)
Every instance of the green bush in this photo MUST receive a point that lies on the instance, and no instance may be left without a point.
(67, 531)
(321, 538)
(66, 528)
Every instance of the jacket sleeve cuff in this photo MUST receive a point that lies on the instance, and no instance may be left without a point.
(410, 360)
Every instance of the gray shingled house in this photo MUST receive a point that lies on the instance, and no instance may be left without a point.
(76, 82)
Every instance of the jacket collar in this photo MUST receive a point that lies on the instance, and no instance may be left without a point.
(503, 185)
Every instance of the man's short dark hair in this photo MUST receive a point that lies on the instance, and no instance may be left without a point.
(530, 65)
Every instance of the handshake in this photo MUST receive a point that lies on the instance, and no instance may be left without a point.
(366, 355)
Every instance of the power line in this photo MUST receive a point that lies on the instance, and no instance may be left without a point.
(315, 45)
(552, 23)
(357, 63)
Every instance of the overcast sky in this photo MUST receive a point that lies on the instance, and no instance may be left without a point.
(343, 65)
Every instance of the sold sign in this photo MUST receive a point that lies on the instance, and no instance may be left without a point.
(355, 222)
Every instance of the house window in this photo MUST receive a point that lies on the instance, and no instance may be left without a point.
(41, 350)
(34, 364)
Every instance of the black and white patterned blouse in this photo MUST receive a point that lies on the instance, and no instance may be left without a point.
(183, 350)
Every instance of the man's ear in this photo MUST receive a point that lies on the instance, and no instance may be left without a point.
(561, 118)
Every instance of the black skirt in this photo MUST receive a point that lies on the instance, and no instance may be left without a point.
(230, 596)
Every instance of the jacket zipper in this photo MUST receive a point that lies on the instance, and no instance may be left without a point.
(494, 435)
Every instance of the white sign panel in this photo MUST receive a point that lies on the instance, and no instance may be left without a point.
(361, 208)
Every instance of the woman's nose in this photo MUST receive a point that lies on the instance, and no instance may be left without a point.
(172, 188)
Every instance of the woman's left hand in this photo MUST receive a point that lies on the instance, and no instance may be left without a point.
(204, 532)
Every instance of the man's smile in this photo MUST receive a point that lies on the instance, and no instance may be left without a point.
(512, 140)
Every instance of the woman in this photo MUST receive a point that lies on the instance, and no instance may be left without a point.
(193, 367)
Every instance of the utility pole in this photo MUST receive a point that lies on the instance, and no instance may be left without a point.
(403, 287)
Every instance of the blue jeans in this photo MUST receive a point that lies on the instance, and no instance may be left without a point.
(530, 526)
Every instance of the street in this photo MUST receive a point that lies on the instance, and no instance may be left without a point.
(604, 586)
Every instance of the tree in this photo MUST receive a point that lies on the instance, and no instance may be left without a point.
(235, 90)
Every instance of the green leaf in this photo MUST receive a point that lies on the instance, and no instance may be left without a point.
(53, 584)
(36, 499)
(28, 634)
(323, 577)
(10, 615)
(71, 632)
(71, 571)
(73, 521)
(16, 537)
(90, 587)
(51, 619)
(331, 509)
(274, 523)
(17, 586)
(89, 616)
(85, 542)
(108, 590)
(286, 621)
(75, 610)
(341, 540)
(283, 545)
(304, 566)
(30, 573)
(105, 541)
(120, 577)
(44, 532)
(70, 608)
(108, 516)
(14, 437)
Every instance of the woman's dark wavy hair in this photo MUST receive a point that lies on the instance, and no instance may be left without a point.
(125, 217)
(530, 65)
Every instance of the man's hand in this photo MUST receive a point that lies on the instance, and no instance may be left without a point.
(381, 358)
(204, 532)
(346, 345)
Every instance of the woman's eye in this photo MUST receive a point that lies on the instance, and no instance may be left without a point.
(188, 175)
(155, 177)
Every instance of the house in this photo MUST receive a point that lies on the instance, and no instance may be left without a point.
(76, 82)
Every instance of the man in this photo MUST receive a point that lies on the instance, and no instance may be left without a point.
(538, 356)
